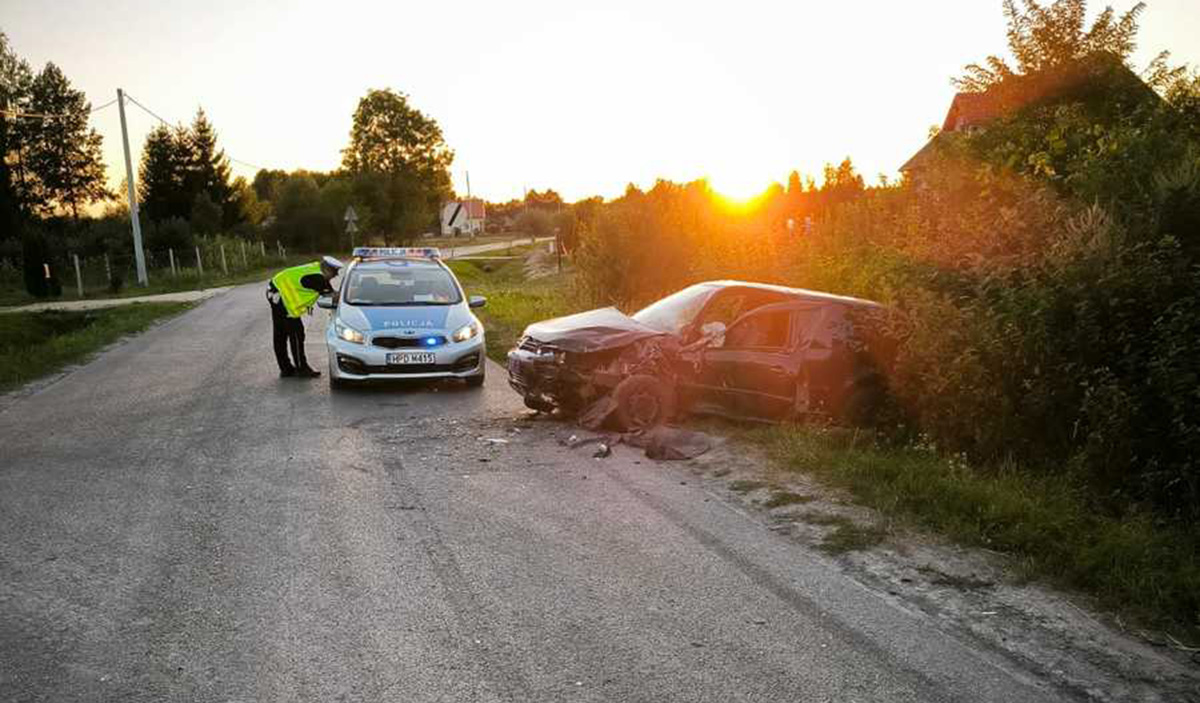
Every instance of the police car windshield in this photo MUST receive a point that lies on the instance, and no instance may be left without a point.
(676, 311)
(401, 285)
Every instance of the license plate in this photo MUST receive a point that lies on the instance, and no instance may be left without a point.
(411, 358)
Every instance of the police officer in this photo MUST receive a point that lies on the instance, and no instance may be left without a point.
(293, 292)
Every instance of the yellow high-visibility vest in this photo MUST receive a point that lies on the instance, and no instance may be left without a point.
(297, 299)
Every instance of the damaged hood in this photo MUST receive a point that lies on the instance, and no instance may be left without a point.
(591, 331)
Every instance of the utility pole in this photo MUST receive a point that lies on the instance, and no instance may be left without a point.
(139, 255)
(469, 204)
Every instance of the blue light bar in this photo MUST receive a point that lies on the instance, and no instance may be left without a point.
(397, 253)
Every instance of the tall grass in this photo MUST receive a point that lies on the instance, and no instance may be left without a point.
(36, 344)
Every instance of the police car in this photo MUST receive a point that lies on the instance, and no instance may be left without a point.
(400, 313)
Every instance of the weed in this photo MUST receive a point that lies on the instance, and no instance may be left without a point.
(847, 535)
(779, 499)
(1045, 521)
(746, 485)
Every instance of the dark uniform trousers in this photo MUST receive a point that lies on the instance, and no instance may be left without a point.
(288, 332)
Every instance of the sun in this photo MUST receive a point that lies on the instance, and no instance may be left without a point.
(739, 186)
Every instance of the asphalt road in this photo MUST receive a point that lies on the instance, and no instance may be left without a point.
(178, 523)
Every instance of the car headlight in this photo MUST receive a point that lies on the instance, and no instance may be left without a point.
(466, 332)
(348, 333)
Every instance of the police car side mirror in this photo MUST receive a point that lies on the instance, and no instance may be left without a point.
(325, 302)
(477, 301)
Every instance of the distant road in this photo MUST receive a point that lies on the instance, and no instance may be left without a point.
(180, 524)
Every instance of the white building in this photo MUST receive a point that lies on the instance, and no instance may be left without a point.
(463, 217)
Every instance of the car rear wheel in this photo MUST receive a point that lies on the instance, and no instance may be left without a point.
(642, 402)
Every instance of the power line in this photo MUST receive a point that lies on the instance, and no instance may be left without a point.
(49, 116)
(148, 110)
(160, 119)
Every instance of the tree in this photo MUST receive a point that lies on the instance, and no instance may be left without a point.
(535, 222)
(245, 200)
(206, 215)
(300, 222)
(15, 80)
(208, 168)
(163, 175)
(400, 162)
(62, 153)
(1043, 37)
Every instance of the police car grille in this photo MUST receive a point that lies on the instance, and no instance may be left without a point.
(405, 342)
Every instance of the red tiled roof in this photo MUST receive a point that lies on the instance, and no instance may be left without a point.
(475, 208)
(971, 110)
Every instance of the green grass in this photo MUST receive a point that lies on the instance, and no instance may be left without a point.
(847, 535)
(513, 300)
(1146, 569)
(33, 345)
(746, 485)
(779, 499)
(161, 281)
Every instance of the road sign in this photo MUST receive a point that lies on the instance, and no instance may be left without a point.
(351, 216)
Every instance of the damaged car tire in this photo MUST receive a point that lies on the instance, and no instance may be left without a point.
(641, 403)
(538, 403)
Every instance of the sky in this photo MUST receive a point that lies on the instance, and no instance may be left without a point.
(581, 98)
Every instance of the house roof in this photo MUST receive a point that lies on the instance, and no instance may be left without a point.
(1100, 76)
(923, 155)
(475, 208)
(972, 110)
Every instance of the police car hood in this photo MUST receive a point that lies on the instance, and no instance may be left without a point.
(591, 331)
(425, 318)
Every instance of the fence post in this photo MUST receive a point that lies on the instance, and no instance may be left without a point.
(262, 248)
(279, 246)
(224, 263)
(171, 253)
(245, 262)
(199, 262)
(107, 269)
(78, 276)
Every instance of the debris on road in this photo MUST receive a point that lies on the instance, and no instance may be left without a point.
(661, 443)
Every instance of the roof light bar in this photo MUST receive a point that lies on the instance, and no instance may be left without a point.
(397, 253)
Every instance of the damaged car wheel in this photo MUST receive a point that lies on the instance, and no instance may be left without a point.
(538, 403)
(641, 403)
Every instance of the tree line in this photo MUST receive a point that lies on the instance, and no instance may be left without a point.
(394, 172)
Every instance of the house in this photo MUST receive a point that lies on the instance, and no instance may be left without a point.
(463, 217)
(1101, 82)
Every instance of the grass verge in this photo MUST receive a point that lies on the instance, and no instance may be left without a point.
(514, 301)
(1132, 564)
(160, 282)
(34, 344)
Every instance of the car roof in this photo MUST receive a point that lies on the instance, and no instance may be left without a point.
(399, 262)
(815, 296)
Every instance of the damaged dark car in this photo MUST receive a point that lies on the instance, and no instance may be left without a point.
(743, 350)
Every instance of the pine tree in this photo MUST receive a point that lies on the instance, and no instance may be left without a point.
(63, 153)
(163, 174)
(209, 168)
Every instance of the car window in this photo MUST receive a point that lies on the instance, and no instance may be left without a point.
(401, 286)
(767, 330)
(676, 311)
